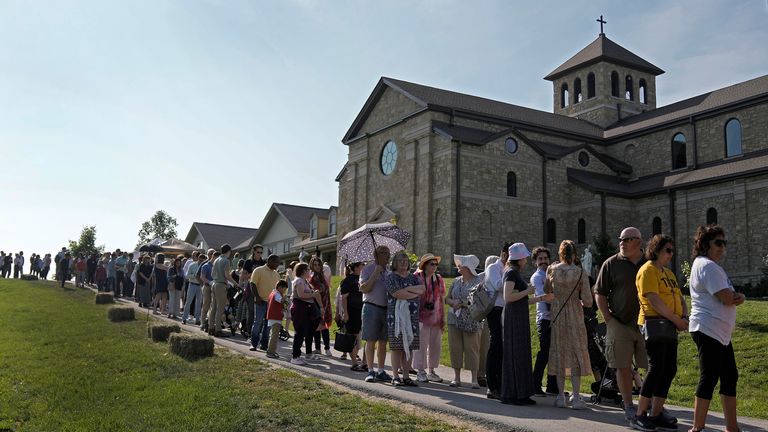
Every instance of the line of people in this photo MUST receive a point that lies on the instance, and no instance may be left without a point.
(11, 263)
(387, 307)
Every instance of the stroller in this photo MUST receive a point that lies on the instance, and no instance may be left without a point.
(606, 388)
(232, 309)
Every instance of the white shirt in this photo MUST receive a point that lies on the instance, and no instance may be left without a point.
(494, 281)
(542, 308)
(708, 314)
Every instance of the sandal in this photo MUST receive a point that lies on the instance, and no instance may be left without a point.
(409, 382)
(397, 382)
(359, 368)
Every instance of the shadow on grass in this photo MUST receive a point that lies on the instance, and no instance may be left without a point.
(755, 327)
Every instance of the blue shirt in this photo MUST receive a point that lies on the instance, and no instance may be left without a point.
(111, 268)
(542, 308)
(207, 271)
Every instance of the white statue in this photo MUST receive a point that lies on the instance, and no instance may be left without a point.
(586, 261)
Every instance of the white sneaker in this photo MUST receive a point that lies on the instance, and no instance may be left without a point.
(578, 403)
(560, 401)
(327, 352)
(434, 377)
(421, 376)
(298, 361)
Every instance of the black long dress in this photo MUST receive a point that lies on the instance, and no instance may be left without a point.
(517, 369)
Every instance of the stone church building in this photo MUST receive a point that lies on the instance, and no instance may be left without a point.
(463, 173)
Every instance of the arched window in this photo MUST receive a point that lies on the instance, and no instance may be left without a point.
(439, 224)
(643, 92)
(732, 137)
(582, 231)
(511, 184)
(629, 152)
(590, 85)
(628, 90)
(577, 96)
(678, 152)
(656, 226)
(614, 84)
(488, 221)
(551, 231)
(711, 216)
(564, 95)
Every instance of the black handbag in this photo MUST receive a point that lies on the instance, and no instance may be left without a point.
(659, 330)
(314, 312)
(344, 342)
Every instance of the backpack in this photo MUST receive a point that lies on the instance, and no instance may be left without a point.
(480, 302)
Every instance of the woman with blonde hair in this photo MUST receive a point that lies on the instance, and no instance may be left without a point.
(569, 284)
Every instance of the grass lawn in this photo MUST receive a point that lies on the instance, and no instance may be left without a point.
(750, 342)
(65, 367)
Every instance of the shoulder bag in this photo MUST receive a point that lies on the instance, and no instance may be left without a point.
(575, 287)
(659, 330)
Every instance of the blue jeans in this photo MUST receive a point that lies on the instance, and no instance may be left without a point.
(259, 331)
(193, 294)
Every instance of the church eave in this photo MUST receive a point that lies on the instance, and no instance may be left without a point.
(559, 73)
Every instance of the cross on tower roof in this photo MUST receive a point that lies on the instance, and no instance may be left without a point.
(601, 21)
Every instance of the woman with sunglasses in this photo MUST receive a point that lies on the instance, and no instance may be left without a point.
(660, 299)
(431, 319)
(713, 319)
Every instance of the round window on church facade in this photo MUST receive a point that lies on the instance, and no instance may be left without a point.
(511, 145)
(583, 158)
(389, 158)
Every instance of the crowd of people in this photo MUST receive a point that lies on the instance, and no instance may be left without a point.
(14, 262)
(393, 305)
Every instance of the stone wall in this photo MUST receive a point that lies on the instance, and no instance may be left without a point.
(710, 132)
(601, 110)
(652, 153)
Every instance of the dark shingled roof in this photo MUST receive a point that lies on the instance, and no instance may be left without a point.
(216, 235)
(299, 216)
(746, 166)
(463, 133)
(743, 91)
(435, 98)
(603, 49)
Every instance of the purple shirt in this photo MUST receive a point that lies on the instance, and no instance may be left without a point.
(378, 294)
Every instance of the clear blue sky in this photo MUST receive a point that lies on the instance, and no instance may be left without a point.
(212, 110)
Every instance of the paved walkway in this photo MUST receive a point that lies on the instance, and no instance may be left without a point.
(468, 404)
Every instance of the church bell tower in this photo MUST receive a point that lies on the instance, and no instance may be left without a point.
(604, 83)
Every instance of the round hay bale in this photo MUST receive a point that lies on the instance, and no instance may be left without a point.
(121, 313)
(190, 346)
(159, 332)
(105, 298)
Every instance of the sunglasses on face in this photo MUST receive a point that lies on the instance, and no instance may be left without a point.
(720, 243)
(432, 264)
(669, 250)
(627, 239)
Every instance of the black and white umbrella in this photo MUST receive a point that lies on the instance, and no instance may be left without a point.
(358, 245)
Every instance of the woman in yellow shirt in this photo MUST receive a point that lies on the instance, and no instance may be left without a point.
(660, 298)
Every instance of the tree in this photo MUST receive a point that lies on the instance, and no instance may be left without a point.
(160, 225)
(604, 249)
(86, 245)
